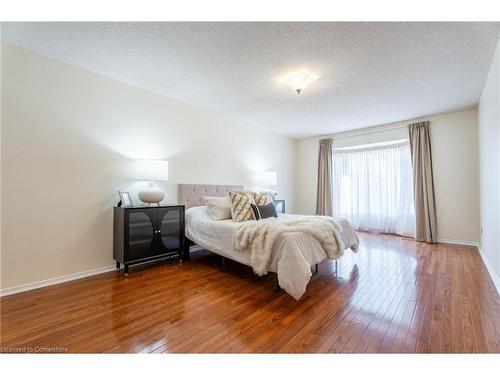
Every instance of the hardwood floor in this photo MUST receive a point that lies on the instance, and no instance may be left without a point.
(395, 295)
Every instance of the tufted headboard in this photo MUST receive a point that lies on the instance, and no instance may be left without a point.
(192, 195)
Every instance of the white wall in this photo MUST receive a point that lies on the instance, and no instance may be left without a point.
(489, 145)
(69, 138)
(455, 161)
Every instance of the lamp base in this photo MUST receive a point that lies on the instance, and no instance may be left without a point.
(151, 195)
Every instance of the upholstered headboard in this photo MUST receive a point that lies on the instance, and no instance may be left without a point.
(192, 195)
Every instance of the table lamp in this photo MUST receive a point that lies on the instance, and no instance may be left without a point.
(151, 171)
(264, 181)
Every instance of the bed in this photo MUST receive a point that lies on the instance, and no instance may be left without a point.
(293, 268)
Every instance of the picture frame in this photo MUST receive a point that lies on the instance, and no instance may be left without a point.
(125, 199)
(280, 205)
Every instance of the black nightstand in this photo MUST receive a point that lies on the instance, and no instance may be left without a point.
(143, 234)
(280, 205)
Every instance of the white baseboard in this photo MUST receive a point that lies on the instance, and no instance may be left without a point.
(55, 280)
(96, 271)
(63, 279)
(491, 271)
(458, 242)
(489, 267)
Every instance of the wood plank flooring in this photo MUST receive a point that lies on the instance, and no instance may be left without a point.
(394, 296)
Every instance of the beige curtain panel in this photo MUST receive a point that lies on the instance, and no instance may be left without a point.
(423, 182)
(324, 191)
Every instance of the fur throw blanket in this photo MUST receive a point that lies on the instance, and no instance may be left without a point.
(260, 236)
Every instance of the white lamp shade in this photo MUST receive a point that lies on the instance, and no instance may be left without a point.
(151, 170)
(267, 178)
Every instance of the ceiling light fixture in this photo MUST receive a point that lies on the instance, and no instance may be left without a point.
(299, 79)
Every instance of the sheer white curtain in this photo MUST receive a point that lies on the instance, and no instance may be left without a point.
(373, 188)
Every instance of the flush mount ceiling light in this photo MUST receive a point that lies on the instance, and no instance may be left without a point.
(299, 79)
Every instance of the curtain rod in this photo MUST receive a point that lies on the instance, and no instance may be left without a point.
(353, 133)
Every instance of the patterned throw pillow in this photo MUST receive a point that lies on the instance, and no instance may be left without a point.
(262, 199)
(259, 198)
(241, 205)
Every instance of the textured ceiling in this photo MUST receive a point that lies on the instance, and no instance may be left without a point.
(371, 73)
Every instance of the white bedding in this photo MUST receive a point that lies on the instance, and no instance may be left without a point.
(293, 267)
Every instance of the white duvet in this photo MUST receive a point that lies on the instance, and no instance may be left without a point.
(293, 254)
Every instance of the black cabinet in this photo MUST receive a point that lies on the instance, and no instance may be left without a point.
(142, 234)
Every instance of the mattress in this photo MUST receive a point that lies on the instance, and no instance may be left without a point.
(216, 235)
(293, 254)
(213, 235)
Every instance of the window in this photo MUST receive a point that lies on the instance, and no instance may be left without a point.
(373, 188)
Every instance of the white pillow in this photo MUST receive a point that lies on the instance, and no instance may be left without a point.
(219, 208)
